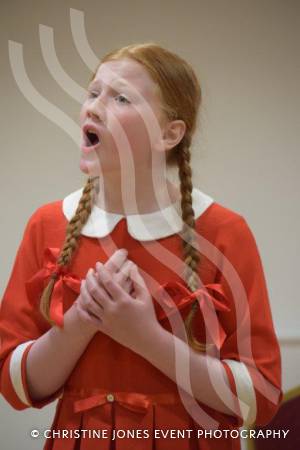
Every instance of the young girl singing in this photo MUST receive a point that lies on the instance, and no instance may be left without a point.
(140, 304)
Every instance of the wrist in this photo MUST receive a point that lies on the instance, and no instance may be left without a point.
(149, 342)
(74, 323)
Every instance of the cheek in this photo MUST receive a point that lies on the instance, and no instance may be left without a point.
(135, 128)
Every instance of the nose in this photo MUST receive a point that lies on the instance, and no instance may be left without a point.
(96, 110)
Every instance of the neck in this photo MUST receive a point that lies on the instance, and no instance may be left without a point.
(141, 195)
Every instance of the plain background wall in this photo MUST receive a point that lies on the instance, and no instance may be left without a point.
(246, 155)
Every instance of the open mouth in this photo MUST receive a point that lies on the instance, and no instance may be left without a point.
(91, 139)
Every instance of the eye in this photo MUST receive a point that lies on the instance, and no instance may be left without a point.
(124, 98)
(92, 94)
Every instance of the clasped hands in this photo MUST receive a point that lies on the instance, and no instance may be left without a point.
(114, 299)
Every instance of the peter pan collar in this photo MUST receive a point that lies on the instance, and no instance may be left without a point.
(143, 227)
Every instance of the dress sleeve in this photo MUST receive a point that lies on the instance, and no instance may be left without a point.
(250, 353)
(21, 322)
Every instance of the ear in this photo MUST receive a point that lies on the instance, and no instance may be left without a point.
(172, 133)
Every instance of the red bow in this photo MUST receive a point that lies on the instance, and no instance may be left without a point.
(38, 282)
(182, 296)
(134, 401)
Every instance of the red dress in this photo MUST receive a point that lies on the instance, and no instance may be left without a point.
(111, 387)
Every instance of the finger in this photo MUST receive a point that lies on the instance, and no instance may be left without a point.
(124, 272)
(127, 286)
(89, 304)
(88, 317)
(116, 261)
(96, 291)
(113, 288)
(120, 277)
(139, 284)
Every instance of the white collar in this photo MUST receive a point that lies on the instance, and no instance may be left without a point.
(143, 227)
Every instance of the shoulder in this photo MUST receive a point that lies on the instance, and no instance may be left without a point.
(227, 240)
(219, 223)
(47, 216)
(214, 215)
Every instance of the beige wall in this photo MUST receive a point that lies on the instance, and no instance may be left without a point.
(246, 54)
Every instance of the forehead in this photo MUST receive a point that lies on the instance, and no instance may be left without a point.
(125, 73)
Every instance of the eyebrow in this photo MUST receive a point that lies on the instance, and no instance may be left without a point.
(113, 85)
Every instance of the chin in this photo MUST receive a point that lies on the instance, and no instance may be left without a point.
(88, 168)
(92, 167)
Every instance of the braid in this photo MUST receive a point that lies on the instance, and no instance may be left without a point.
(190, 254)
(73, 231)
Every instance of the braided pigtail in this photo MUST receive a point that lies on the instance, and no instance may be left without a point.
(73, 231)
(190, 253)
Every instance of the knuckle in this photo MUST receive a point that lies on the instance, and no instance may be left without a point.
(103, 294)
(83, 296)
(93, 290)
(128, 263)
(109, 283)
(117, 277)
(83, 314)
(114, 266)
(88, 283)
(93, 309)
(112, 312)
(85, 291)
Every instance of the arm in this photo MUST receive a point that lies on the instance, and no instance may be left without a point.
(56, 353)
(159, 349)
(25, 333)
(35, 358)
(250, 362)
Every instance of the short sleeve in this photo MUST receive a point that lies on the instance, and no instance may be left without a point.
(250, 353)
(21, 322)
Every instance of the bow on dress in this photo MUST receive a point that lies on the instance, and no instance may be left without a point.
(208, 303)
(36, 284)
(134, 401)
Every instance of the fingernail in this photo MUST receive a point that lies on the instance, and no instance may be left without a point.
(124, 251)
(99, 265)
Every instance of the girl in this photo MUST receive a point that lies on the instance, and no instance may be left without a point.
(105, 279)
